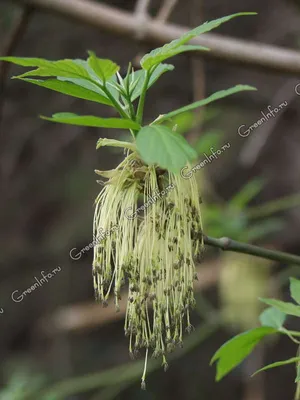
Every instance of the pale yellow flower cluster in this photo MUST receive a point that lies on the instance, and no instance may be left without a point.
(155, 253)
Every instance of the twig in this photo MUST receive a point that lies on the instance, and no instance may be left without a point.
(88, 316)
(141, 17)
(248, 53)
(14, 38)
(198, 74)
(238, 247)
(165, 10)
(162, 16)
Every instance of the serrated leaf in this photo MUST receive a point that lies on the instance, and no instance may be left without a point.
(278, 364)
(102, 142)
(70, 89)
(141, 75)
(216, 96)
(285, 307)
(92, 121)
(104, 68)
(272, 317)
(159, 55)
(27, 61)
(160, 145)
(64, 68)
(233, 352)
(295, 289)
(155, 56)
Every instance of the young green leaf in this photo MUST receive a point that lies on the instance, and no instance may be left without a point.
(162, 53)
(27, 61)
(278, 364)
(64, 68)
(272, 317)
(104, 68)
(210, 99)
(70, 89)
(140, 77)
(285, 307)
(165, 52)
(160, 145)
(233, 352)
(295, 289)
(90, 120)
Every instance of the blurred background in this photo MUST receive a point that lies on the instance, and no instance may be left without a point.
(55, 342)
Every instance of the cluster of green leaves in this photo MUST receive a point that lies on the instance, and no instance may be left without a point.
(272, 320)
(99, 80)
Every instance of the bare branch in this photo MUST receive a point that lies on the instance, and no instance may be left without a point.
(166, 10)
(141, 16)
(239, 247)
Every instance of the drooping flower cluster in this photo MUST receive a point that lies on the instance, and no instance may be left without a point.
(155, 252)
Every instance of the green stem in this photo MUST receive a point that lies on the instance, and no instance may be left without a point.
(293, 333)
(114, 101)
(297, 394)
(225, 243)
(140, 109)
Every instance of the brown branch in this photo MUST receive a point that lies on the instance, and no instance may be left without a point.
(141, 17)
(163, 14)
(198, 75)
(271, 58)
(165, 10)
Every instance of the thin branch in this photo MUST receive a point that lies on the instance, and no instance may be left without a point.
(163, 14)
(225, 243)
(244, 52)
(141, 7)
(141, 17)
(198, 74)
(87, 316)
(165, 10)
